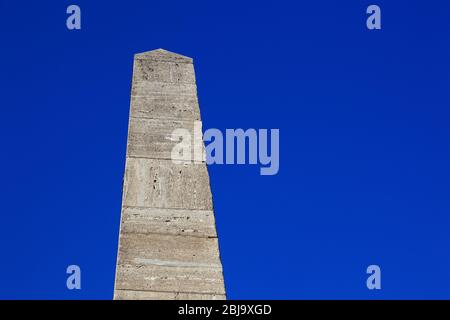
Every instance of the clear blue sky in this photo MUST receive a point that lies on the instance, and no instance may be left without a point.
(364, 136)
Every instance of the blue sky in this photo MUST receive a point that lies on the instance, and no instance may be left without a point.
(364, 142)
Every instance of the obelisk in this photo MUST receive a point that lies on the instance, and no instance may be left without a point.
(168, 245)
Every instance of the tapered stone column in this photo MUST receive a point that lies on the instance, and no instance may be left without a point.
(168, 247)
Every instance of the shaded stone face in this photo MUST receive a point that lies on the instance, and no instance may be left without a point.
(151, 138)
(168, 246)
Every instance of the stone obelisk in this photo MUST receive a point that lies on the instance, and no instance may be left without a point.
(168, 246)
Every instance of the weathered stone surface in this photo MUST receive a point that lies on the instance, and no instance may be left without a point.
(168, 250)
(153, 138)
(149, 88)
(165, 107)
(168, 246)
(161, 295)
(163, 184)
(174, 72)
(162, 55)
(195, 223)
(168, 278)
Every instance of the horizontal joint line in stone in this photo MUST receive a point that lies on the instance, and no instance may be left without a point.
(162, 60)
(163, 93)
(184, 119)
(183, 292)
(166, 208)
(188, 162)
(170, 234)
(169, 82)
(171, 264)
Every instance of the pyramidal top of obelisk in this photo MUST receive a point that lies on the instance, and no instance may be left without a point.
(163, 55)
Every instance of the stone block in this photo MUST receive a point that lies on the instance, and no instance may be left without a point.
(161, 295)
(170, 279)
(168, 251)
(165, 106)
(195, 223)
(156, 71)
(149, 89)
(152, 138)
(164, 184)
